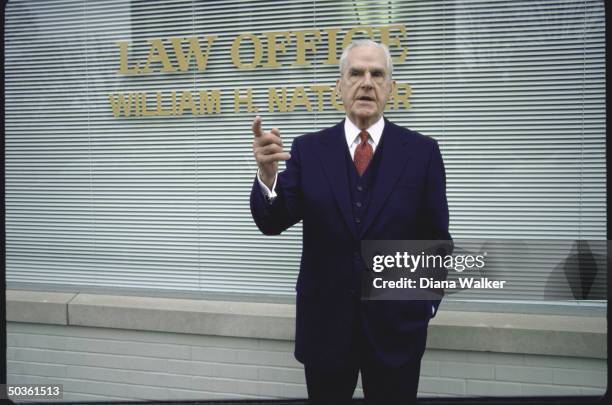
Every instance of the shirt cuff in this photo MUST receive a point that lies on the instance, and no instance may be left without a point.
(433, 310)
(269, 194)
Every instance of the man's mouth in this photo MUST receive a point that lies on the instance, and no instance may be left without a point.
(365, 98)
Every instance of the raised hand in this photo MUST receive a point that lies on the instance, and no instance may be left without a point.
(268, 151)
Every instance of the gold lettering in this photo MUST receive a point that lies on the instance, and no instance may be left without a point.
(320, 91)
(303, 44)
(187, 100)
(274, 98)
(248, 100)
(299, 98)
(119, 102)
(143, 104)
(396, 96)
(157, 53)
(140, 105)
(146, 112)
(257, 52)
(274, 46)
(334, 100)
(332, 56)
(160, 110)
(194, 48)
(210, 102)
(123, 60)
(351, 33)
(173, 103)
(135, 103)
(385, 38)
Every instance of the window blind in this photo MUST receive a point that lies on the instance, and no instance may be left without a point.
(513, 92)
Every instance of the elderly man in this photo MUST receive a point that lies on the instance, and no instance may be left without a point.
(362, 179)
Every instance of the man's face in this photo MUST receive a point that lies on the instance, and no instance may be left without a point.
(365, 85)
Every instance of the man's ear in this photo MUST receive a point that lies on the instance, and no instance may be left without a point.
(338, 90)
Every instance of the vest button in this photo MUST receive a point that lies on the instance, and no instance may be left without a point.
(359, 188)
(358, 220)
(358, 204)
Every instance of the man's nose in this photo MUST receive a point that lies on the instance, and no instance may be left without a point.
(367, 81)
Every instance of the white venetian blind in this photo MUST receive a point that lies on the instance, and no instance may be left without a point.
(513, 91)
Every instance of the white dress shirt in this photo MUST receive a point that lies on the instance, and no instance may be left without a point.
(352, 134)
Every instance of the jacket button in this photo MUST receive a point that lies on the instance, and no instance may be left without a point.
(358, 220)
(358, 204)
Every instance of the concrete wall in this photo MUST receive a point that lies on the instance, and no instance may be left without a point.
(217, 359)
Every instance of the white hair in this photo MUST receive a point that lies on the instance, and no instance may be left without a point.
(367, 42)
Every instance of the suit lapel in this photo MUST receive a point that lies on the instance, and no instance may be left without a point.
(332, 154)
(395, 155)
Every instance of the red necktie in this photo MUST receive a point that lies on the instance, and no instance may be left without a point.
(363, 153)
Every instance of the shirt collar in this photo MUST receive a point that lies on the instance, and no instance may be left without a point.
(352, 132)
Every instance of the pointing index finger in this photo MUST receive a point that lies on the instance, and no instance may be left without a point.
(257, 126)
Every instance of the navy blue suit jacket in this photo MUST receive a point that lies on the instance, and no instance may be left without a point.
(408, 203)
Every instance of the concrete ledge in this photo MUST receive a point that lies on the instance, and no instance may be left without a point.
(557, 335)
(224, 318)
(37, 306)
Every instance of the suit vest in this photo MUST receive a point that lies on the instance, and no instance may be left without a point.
(361, 194)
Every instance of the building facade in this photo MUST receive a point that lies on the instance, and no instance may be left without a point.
(134, 270)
